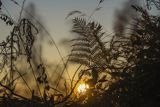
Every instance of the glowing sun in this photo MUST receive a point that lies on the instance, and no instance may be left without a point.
(82, 88)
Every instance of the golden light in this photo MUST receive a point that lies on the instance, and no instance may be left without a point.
(82, 88)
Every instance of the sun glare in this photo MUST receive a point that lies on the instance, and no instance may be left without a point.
(82, 88)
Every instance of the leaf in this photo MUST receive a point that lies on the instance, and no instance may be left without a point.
(134, 7)
(73, 12)
(83, 49)
(101, 1)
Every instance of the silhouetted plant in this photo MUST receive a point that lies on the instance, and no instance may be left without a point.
(150, 3)
(133, 66)
(123, 73)
(88, 48)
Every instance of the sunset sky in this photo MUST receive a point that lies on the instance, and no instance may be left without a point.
(53, 12)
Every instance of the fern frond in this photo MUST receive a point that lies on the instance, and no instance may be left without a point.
(81, 44)
(79, 24)
(88, 44)
(81, 49)
(80, 39)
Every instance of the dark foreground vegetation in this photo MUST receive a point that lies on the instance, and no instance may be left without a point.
(121, 71)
